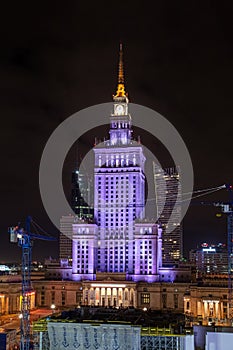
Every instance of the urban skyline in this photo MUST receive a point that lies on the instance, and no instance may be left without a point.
(185, 74)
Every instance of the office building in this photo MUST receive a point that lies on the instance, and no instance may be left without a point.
(210, 258)
(167, 192)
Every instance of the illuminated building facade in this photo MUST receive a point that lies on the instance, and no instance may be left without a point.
(121, 240)
(210, 259)
(208, 303)
(167, 192)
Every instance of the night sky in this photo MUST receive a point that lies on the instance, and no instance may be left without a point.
(59, 57)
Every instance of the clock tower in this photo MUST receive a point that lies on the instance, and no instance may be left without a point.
(120, 120)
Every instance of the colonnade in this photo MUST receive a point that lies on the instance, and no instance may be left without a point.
(210, 308)
(109, 296)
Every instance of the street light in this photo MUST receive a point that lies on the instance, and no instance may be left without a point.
(53, 307)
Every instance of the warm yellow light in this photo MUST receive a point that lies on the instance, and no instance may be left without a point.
(109, 285)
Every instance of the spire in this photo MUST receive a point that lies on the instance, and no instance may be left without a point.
(121, 67)
(120, 93)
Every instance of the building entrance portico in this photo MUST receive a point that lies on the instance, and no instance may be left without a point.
(106, 293)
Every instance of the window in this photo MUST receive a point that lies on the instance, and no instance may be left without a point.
(164, 301)
(145, 298)
(52, 297)
(176, 301)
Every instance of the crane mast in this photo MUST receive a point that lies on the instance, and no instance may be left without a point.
(227, 208)
(26, 245)
(25, 238)
(230, 259)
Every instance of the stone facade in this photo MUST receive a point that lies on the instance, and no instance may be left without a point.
(207, 304)
(200, 303)
(59, 293)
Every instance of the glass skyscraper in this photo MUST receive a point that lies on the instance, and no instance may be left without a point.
(167, 192)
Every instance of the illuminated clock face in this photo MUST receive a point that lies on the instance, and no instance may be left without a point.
(119, 109)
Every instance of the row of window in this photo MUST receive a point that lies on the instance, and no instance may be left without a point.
(116, 178)
(117, 186)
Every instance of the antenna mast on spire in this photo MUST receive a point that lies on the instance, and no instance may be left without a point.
(120, 93)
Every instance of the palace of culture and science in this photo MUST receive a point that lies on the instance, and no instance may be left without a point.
(120, 243)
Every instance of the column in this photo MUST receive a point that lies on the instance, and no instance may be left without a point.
(123, 297)
(106, 297)
(117, 297)
(126, 297)
(7, 305)
(1, 305)
(111, 303)
(221, 310)
(131, 298)
(134, 298)
(199, 308)
(216, 310)
(205, 309)
(102, 291)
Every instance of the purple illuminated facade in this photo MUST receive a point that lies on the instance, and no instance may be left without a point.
(121, 240)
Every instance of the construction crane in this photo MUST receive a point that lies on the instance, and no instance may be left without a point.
(227, 209)
(24, 238)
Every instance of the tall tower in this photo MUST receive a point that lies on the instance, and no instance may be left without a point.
(123, 241)
(119, 187)
(167, 192)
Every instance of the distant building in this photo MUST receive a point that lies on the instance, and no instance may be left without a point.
(58, 269)
(65, 241)
(4, 270)
(82, 196)
(210, 258)
(81, 190)
(208, 302)
(67, 223)
(167, 192)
